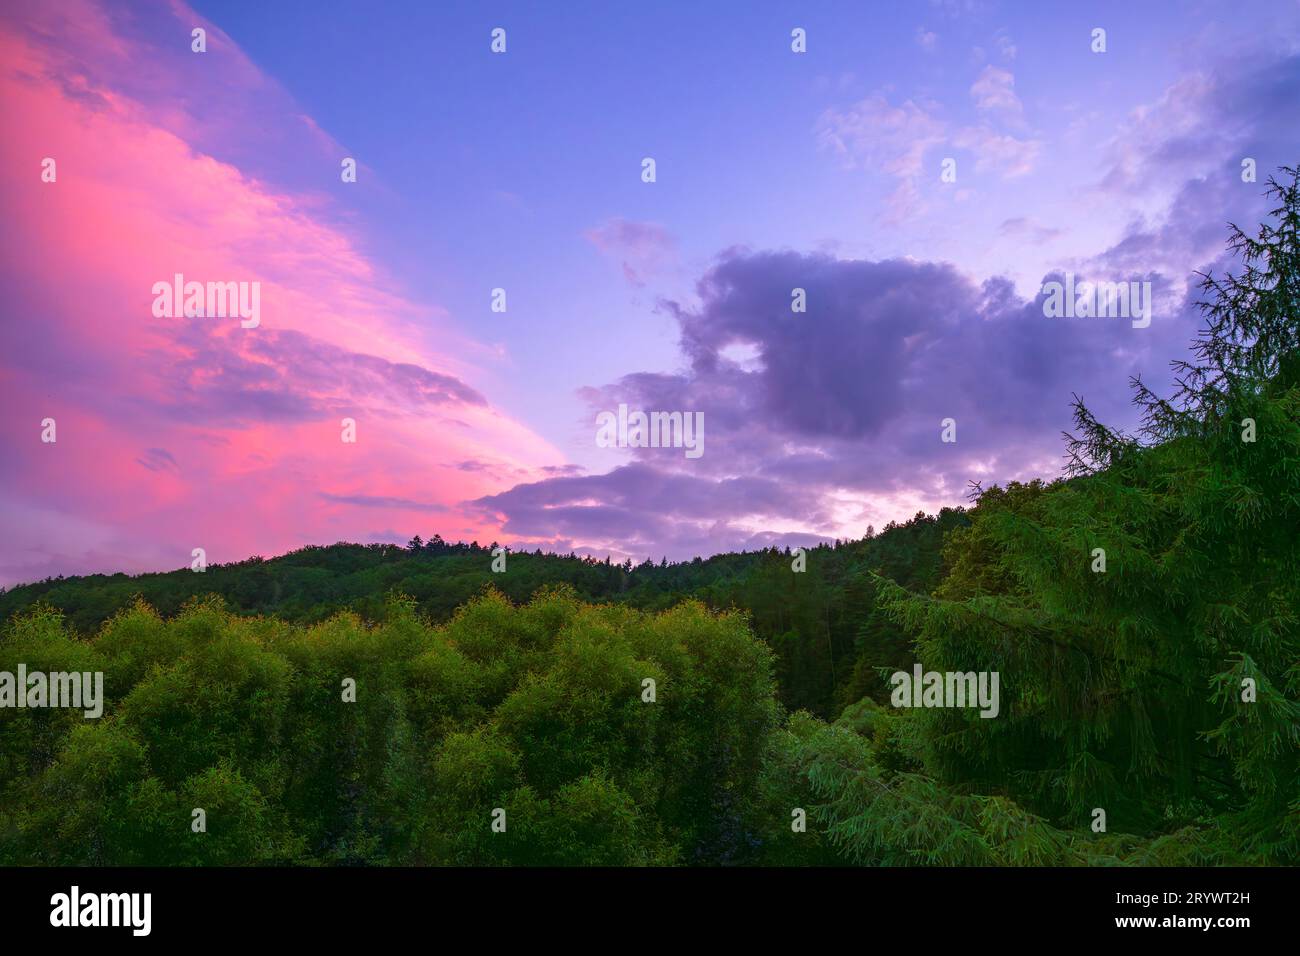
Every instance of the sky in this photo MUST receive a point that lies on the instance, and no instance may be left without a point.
(919, 170)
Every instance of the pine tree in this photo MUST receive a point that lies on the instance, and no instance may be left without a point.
(1163, 689)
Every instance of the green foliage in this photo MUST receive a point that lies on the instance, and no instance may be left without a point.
(1164, 690)
(1131, 689)
(823, 624)
(535, 709)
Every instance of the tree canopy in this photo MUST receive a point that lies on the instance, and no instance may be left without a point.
(385, 705)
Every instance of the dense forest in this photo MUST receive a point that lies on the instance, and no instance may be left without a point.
(1141, 612)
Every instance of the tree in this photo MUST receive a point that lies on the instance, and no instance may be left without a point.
(1164, 688)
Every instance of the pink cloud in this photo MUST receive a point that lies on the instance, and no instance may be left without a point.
(176, 433)
(643, 247)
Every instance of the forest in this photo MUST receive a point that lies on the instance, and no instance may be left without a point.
(385, 705)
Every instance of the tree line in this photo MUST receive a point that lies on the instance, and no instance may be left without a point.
(1141, 611)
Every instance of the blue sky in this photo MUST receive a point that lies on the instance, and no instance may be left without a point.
(489, 170)
(522, 170)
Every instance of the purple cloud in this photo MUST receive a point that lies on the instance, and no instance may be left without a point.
(281, 375)
(382, 501)
(643, 248)
(818, 422)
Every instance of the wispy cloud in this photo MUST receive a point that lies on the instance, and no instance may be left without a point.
(994, 91)
(643, 248)
(154, 179)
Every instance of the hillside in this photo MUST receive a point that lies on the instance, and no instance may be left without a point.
(829, 605)
(1138, 624)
